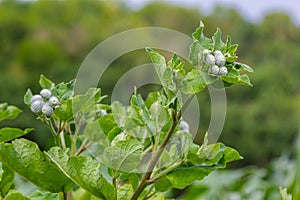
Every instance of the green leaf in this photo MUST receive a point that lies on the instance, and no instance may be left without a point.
(7, 180)
(244, 79)
(158, 117)
(85, 103)
(124, 155)
(193, 82)
(231, 154)
(165, 73)
(218, 44)
(198, 36)
(239, 66)
(185, 176)
(40, 195)
(64, 111)
(232, 49)
(195, 49)
(84, 171)
(125, 192)
(81, 194)
(25, 158)
(64, 90)
(46, 83)
(7, 134)
(15, 195)
(27, 97)
(8, 112)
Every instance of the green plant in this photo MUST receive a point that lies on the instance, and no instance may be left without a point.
(124, 152)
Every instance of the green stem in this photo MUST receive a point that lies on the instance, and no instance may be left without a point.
(175, 117)
(143, 184)
(162, 173)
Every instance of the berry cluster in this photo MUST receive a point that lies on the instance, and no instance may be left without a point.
(43, 102)
(216, 62)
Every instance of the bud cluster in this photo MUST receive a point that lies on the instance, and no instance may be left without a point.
(216, 62)
(44, 102)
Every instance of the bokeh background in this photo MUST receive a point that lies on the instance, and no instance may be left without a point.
(53, 38)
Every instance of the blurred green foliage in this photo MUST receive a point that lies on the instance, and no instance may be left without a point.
(53, 38)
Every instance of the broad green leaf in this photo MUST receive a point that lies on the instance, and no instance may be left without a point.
(164, 72)
(158, 116)
(25, 158)
(182, 177)
(119, 113)
(228, 43)
(231, 154)
(46, 83)
(232, 49)
(64, 90)
(198, 36)
(193, 82)
(27, 97)
(81, 194)
(124, 155)
(15, 195)
(64, 111)
(218, 44)
(7, 134)
(84, 171)
(239, 66)
(195, 49)
(125, 192)
(7, 180)
(244, 79)
(8, 112)
(41, 195)
(85, 103)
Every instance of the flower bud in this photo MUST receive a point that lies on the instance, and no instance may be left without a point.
(47, 109)
(36, 97)
(210, 60)
(214, 70)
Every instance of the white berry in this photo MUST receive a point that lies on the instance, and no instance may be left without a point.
(45, 93)
(206, 51)
(36, 106)
(220, 58)
(223, 71)
(214, 70)
(210, 60)
(53, 101)
(47, 109)
(36, 97)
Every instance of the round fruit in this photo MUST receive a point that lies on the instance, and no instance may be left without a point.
(36, 97)
(36, 106)
(223, 71)
(47, 109)
(214, 70)
(45, 93)
(210, 60)
(53, 101)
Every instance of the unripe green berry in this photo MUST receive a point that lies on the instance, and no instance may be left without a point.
(36, 97)
(210, 60)
(47, 109)
(214, 70)
(53, 101)
(45, 93)
(223, 71)
(37, 106)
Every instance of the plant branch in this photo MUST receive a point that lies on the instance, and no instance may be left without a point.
(144, 182)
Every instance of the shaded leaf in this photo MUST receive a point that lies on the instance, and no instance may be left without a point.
(125, 192)
(7, 180)
(15, 195)
(7, 134)
(40, 195)
(27, 97)
(8, 112)
(218, 44)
